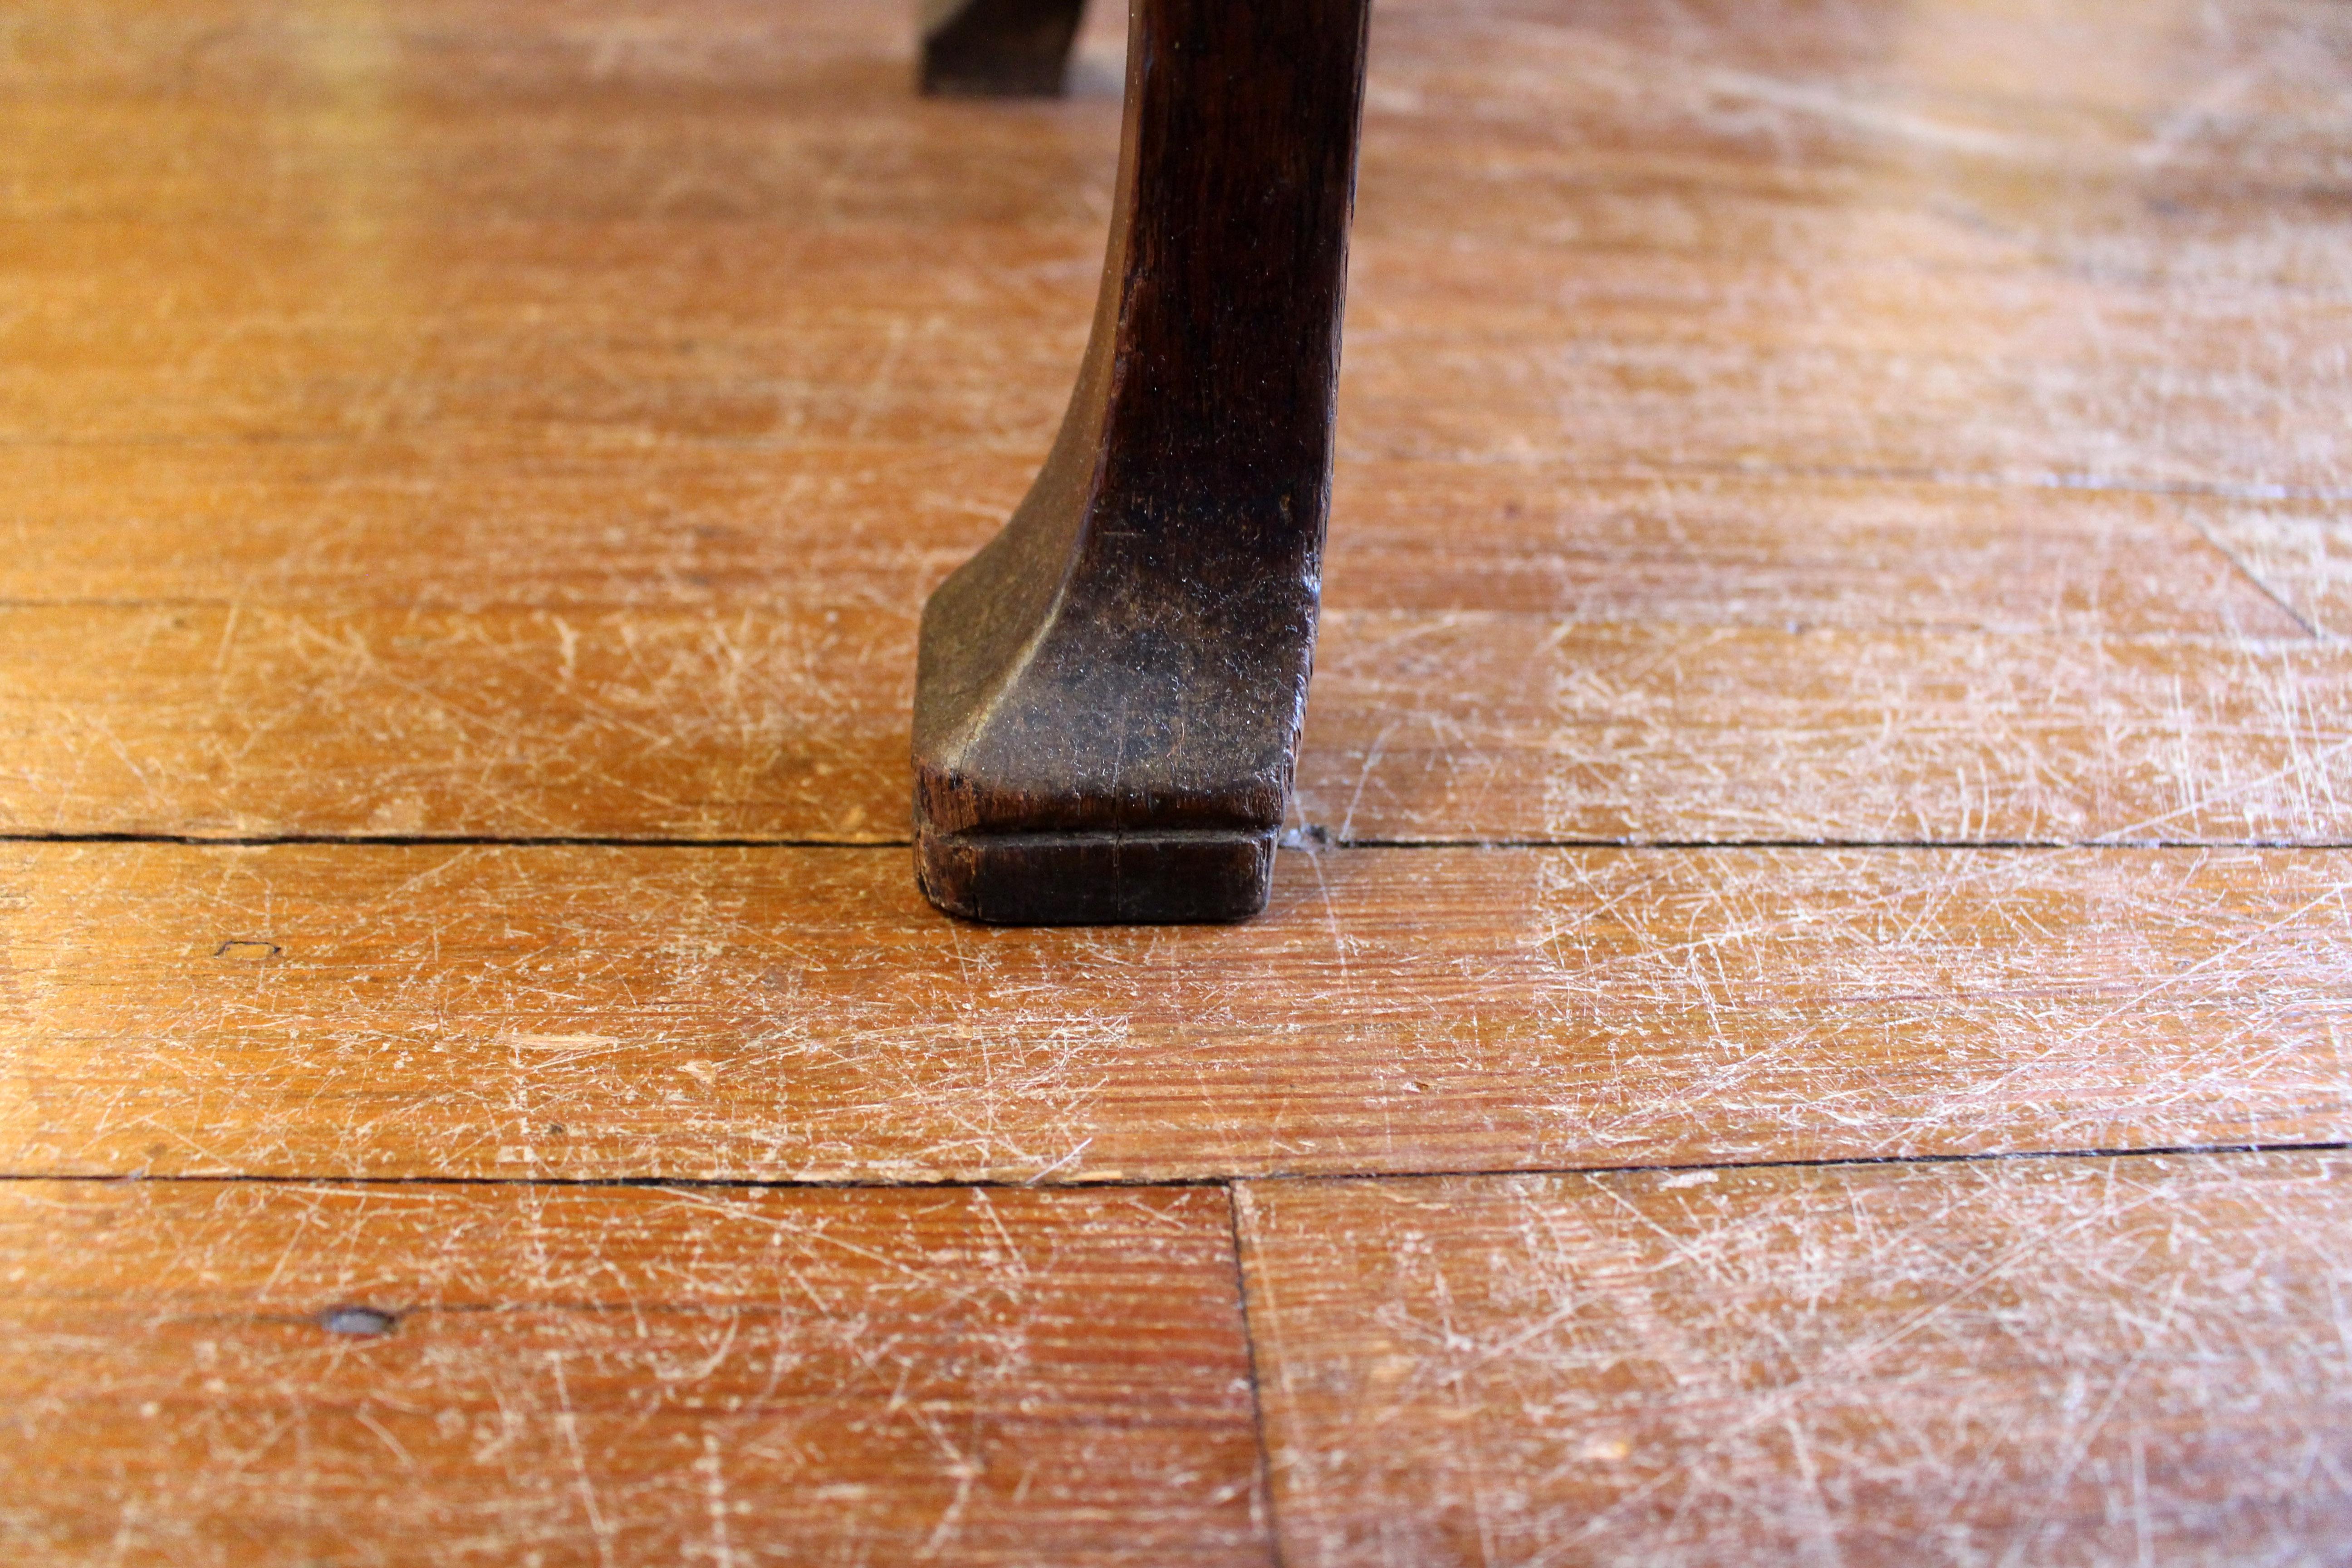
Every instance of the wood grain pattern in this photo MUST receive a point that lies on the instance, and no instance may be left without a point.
(787, 721)
(2110, 1361)
(298, 641)
(783, 715)
(461, 526)
(1747, 318)
(800, 1014)
(1476, 726)
(1761, 420)
(2067, 230)
(602, 1377)
(1884, 305)
(1879, 240)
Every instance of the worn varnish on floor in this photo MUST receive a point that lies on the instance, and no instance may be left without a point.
(799, 1015)
(2056, 1361)
(249, 1373)
(1834, 652)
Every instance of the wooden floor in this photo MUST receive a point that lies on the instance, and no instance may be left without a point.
(1807, 1017)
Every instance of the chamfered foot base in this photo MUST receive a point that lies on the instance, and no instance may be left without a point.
(1182, 876)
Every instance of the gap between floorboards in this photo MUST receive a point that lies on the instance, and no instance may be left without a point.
(1321, 841)
(747, 1184)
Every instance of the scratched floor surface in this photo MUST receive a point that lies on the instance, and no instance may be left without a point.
(1808, 1016)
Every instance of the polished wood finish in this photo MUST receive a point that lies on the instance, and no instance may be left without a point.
(568, 386)
(1108, 696)
(2076, 1361)
(722, 721)
(526, 1374)
(800, 1014)
(1818, 430)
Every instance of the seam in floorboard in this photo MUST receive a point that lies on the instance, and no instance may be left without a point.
(450, 840)
(1257, 1401)
(746, 1183)
(1949, 479)
(1956, 479)
(586, 841)
(1952, 844)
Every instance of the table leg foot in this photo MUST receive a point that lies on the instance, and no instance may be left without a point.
(1110, 694)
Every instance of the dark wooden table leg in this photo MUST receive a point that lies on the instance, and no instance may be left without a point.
(998, 48)
(1110, 691)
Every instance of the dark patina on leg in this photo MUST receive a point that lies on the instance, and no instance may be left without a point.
(998, 48)
(1111, 692)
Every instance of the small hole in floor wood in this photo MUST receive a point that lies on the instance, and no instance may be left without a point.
(359, 1323)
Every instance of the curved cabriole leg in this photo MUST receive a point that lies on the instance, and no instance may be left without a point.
(998, 48)
(1110, 691)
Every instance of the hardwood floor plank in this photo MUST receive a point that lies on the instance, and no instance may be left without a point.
(1890, 239)
(1553, 539)
(1760, 422)
(448, 525)
(786, 718)
(651, 331)
(600, 1377)
(800, 1015)
(233, 642)
(787, 722)
(1473, 726)
(2099, 1361)
(600, 357)
(468, 527)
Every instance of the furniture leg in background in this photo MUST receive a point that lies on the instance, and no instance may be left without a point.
(998, 48)
(1109, 693)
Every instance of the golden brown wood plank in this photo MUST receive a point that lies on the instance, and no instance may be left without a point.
(452, 526)
(784, 717)
(658, 332)
(563, 333)
(1931, 240)
(1556, 540)
(601, 1377)
(1935, 240)
(801, 1013)
(1476, 726)
(518, 110)
(570, 312)
(785, 722)
(653, 330)
(467, 526)
(460, 641)
(465, 640)
(2111, 1360)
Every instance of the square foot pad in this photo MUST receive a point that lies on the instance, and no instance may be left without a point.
(1180, 877)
